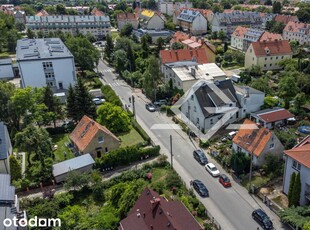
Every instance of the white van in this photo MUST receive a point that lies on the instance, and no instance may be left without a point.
(232, 134)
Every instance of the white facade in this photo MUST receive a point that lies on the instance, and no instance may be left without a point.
(6, 69)
(237, 42)
(291, 166)
(45, 62)
(193, 22)
(297, 31)
(170, 7)
(98, 26)
(151, 20)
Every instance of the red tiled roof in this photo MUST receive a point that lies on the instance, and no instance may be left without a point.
(126, 16)
(252, 140)
(267, 36)
(277, 115)
(153, 210)
(301, 152)
(261, 48)
(295, 26)
(42, 13)
(228, 11)
(240, 31)
(85, 131)
(285, 18)
(168, 56)
(97, 12)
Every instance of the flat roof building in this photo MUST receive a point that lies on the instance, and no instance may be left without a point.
(45, 62)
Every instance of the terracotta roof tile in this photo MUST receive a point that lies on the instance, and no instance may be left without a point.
(42, 13)
(261, 48)
(126, 16)
(296, 26)
(240, 31)
(285, 18)
(97, 12)
(301, 152)
(85, 131)
(277, 115)
(267, 36)
(168, 56)
(252, 140)
(153, 210)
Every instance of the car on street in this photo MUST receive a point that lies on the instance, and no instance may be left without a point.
(200, 156)
(210, 167)
(160, 103)
(224, 180)
(150, 107)
(200, 188)
(261, 217)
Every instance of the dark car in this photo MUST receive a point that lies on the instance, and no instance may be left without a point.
(200, 188)
(224, 180)
(150, 107)
(200, 156)
(261, 217)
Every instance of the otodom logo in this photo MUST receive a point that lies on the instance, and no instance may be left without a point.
(32, 222)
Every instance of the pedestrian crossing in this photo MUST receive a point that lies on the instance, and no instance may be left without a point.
(115, 83)
(106, 71)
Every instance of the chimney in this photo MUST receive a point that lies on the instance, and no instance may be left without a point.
(155, 202)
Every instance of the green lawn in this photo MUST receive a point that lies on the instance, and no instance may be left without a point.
(61, 140)
(257, 181)
(130, 138)
(114, 35)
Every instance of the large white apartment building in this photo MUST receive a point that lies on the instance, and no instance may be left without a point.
(297, 31)
(98, 26)
(45, 62)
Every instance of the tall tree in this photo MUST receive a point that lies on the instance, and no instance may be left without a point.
(151, 77)
(291, 188)
(159, 45)
(296, 191)
(15, 168)
(126, 30)
(276, 7)
(287, 89)
(109, 47)
(53, 104)
(70, 108)
(120, 60)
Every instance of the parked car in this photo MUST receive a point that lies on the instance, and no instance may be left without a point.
(150, 107)
(224, 180)
(200, 156)
(98, 101)
(261, 217)
(210, 167)
(200, 188)
(160, 103)
(232, 134)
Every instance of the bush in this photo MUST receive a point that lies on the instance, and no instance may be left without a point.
(57, 130)
(173, 180)
(201, 210)
(124, 156)
(110, 95)
(139, 129)
(204, 144)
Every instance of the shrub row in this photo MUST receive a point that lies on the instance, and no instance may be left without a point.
(124, 156)
(139, 129)
(110, 95)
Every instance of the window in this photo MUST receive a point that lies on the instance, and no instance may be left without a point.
(49, 75)
(195, 109)
(47, 65)
(100, 139)
(265, 59)
(238, 149)
(60, 85)
(265, 65)
(271, 146)
(192, 97)
(296, 165)
(197, 119)
(271, 58)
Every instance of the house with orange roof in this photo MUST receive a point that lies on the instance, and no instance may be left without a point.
(237, 37)
(257, 142)
(149, 19)
(192, 42)
(127, 18)
(285, 19)
(267, 54)
(97, 12)
(297, 31)
(297, 160)
(93, 138)
(42, 13)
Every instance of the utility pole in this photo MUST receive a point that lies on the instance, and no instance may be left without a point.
(133, 106)
(171, 156)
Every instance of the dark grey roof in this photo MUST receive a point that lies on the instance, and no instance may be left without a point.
(238, 18)
(7, 192)
(6, 212)
(152, 33)
(267, 111)
(67, 19)
(208, 98)
(5, 142)
(188, 15)
(29, 49)
(72, 164)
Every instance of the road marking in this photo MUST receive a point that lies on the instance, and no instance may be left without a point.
(106, 71)
(165, 126)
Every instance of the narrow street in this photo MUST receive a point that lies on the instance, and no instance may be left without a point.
(230, 207)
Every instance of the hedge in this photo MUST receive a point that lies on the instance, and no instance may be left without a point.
(110, 95)
(139, 129)
(124, 156)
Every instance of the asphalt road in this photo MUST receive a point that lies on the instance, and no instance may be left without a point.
(230, 207)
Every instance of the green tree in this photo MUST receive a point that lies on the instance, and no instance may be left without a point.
(303, 13)
(159, 45)
(306, 226)
(61, 9)
(177, 45)
(296, 191)
(261, 84)
(85, 54)
(109, 47)
(287, 89)
(240, 162)
(72, 216)
(53, 105)
(291, 189)
(15, 168)
(270, 102)
(299, 100)
(295, 216)
(6, 92)
(145, 46)
(151, 78)
(276, 7)
(30, 34)
(35, 141)
(120, 60)
(126, 30)
(76, 180)
(113, 117)
(70, 107)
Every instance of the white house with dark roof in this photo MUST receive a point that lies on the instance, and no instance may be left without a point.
(6, 149)
(270, 118)
(217, 96)
(45, 62)
(297, 160)
(193, 22)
